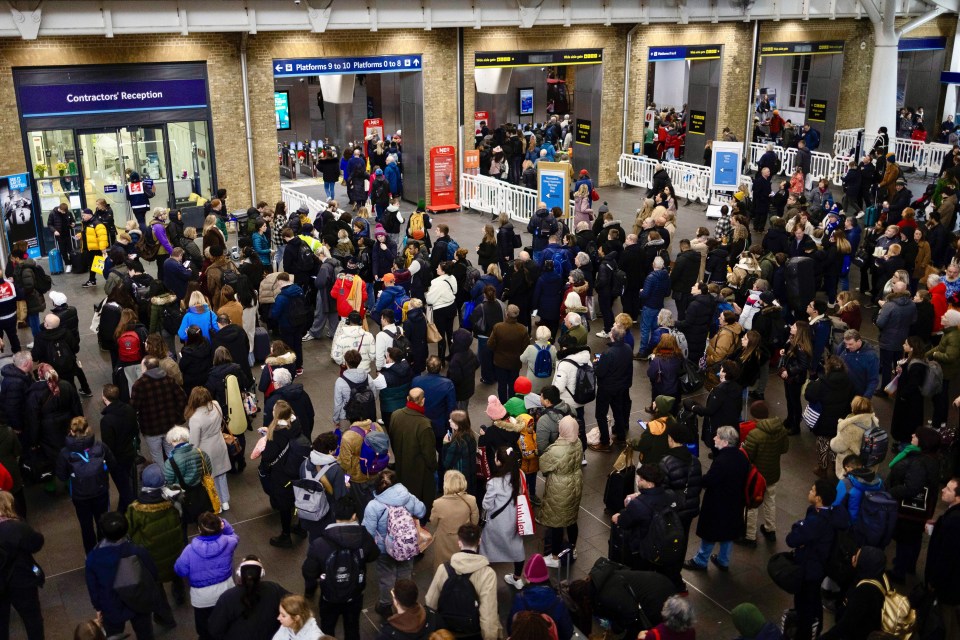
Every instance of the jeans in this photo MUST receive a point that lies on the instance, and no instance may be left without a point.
(278, 257)
(505, 379)
(26, 600)
(767, 511)
(220, 482)
(380, 209)
(330, 613)
(158, 448)
(33, 319)
(888, 360)
(89, 511)
(620, 404)
(486, 360)
(328, 188)
(648, 322)
(706, 548)
(388, 572)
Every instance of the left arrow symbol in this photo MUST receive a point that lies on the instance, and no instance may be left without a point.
(278, 67)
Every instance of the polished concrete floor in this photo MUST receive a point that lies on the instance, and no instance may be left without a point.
(65, 601)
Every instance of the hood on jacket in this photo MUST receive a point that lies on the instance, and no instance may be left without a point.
(771, 425)
(353, 375)
(415, 314)
(395, 495)
(74, 443)
(864, 479)
(294, 391)
(321, 459)
(681, 453)
(291, 290)
(541, 213)
(283, 360)
(210, 546)
(508, 425)
(410, 621)
(345, 534)
(900, 299)
(54, 334)
(462, 341)
(156, 373)
(468, 562)
(11, 371)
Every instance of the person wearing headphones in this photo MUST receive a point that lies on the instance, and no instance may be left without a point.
(248, 610)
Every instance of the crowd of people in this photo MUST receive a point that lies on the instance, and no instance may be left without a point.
(401, 468)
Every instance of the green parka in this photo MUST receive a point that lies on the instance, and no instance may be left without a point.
(155, 525)
(765, 445)
(560, 464)
(947, 353)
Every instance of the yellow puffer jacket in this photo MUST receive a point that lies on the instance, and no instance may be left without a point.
(95, 237)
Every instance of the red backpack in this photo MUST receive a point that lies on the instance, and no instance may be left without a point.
(129, 347)
(756, 487)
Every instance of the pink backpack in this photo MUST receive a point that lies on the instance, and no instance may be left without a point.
(403, 540)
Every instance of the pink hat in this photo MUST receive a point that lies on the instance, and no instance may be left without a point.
(536, 570)
(495, 409)
(522, 385)
(378, 230)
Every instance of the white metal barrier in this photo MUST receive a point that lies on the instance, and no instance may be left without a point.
(844, 140)
(636, 171)
(689, 180)
(489, 195)
(933, 156)
(820, 164)
(295, 199)
(838, 169)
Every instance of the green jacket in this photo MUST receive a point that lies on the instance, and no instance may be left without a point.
(947, 353)
(560, 464)
(765, 445)
(185, 455)
(414, 452)
(156, 527)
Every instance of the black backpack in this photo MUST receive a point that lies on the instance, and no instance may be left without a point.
(380, 191)
(88, 473)
(362, 403)
(306, 258)
(458, 604)
(344, 574)
(299, 314)
(42, 282)
(134, 585)
(664, 544)
(61, 357)
(402, 342)
(585, 388)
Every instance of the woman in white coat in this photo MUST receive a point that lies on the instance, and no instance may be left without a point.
(204, 420)
(500, 542)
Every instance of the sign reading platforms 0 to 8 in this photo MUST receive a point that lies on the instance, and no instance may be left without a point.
(337, 66)
(583, 132)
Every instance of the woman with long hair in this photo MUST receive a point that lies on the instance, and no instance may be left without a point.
(204, 418)
(212, 235)
(500, 542)
(665, 369)
(19, 586)
(460, 448)
(908, 406)
(198, 314)
(50, 406)
(296, 620)
(836, 254)
(831, 394)
(750, 355)
(456, 507)
(129, 321)
(582, 206)
(248, 610)
(441, 297)
(156, 347)
(923, 259)
(281, 442)
(487, 249)
(795, 360)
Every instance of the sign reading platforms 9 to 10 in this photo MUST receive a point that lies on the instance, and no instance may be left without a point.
(294, 67)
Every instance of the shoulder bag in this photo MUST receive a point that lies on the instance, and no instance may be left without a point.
(195, 499)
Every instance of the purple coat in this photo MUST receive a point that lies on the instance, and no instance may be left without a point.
(208, 560)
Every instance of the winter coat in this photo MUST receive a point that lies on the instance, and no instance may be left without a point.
(208, 560)
(500, 542)
(908, 478)
(158, 401)
(622, 593)
(696, 325)
(95, 236)
(947, 353)
(614, 369)
(724, 343)
(682, 474)
(299, 400)
(333, 538)
(155, 525)
(101, 570)
(765, 444)
(548, 296)
(463, 365)
(118, 430)
(685, 271)
(206, 435)
(86, 445)
(721, 514)
(279, 308)
(14, 387)
(415, 327)
(542, 598)
(352, 336)
(812, 539)
(908, 407)
(894, 320)
(19, 542)
(664, 373)
(560, 465)
(196, 360)
(205, 319)
(10, 453)
(449, 512)
(849, 437)
(548, 425)
(942, 570)
(191, 462)
(528, 359)
(235, 339)
(565, 378)
(484, 581)
(231, 618)
(375, 514)
(440, 399)
(415, 453)
(280, 464)
(49, 416)
(833, 392)
(502, 433)
(863, 368)
(721, 409)
(24, 279)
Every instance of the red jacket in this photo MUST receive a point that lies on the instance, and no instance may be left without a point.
(341, 293)
(938, 296)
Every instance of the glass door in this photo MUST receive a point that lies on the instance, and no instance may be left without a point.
(102, 161)
(144, 151)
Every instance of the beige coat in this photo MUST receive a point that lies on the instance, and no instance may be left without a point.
(484, 580)
(849, 437)
(448, 513)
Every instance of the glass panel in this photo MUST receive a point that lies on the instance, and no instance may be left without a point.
(190, 161)
(53, 160)
(103, 172)
(143, 152)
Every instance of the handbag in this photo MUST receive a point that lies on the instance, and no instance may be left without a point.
(485, 518)
(424, 537)
(692, 378)
(785, 572)
(233, 445)
(433, 334)
(525, 522)
(594, 195)
(209, 485)
(195, 499)
(891, 388)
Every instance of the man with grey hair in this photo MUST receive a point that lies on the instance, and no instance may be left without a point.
(574, 324)
(293, 392)
(721, 513)
(614, 372)
(16, 380)
(656, 287)
(53, 346)
(507, 341)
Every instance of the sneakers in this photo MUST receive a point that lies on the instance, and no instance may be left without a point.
(860, 215)
(224, 506)
(689, 565)
(30, 346)
(583, 462)
(516, 583)
(86, 393)
(602, 334)
(88, 284)
(552, 561)
(307, 337)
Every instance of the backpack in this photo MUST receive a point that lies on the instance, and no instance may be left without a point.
(543, 365)
(897, 617)
(400, 308)
(344, 574)
(380, 191)
(561, 263)
(876, 519)
(88, 473)
(618, 282)
(373, 450)
(663, 545)
(61, 357)
(171, 318)
(933, 380)
(458, 604)
(873, 448)
(306, 259)
(402, 342)
(452, 248)
(756, 487)
(129, 347)
(362, 404)
(415, 226)
(681, 341)
(297, 313)
(548, 226)
(240, 284)
(837, 328)
(403, 539)
(147, 245)
(42, 282)
(134, 585)
(585, 387)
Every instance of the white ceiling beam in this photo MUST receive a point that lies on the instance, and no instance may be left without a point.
(27, 22)
(427, 15)
(318, 13)
(107, 22)
(184, 25)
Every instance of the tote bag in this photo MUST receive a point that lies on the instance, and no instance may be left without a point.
(525, 523)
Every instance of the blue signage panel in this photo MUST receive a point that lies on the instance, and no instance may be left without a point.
(336, 66)
(726, 169)
(921, 44)
(281, 109)
(699, 52)
(111, 97)
(949, 77)
(552, 191)
(109, 188)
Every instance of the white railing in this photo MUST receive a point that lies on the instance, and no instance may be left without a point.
(689, 180)
(844, 140)
(933, 156)
(786, 157)
(922, 156)
(838, 169)
(909, 152)
(489, 195)
(636, 171)
(820, 164)
(295, 199)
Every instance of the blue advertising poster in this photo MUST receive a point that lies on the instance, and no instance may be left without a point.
(111, 97)
(324, 66)
(553, 189)
(526, 102)
(281, 108)
(726, 170)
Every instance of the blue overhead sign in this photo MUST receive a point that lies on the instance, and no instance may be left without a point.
(949, 77)
(699, 52)
(337, 66)
(111, 97)
(921, 44)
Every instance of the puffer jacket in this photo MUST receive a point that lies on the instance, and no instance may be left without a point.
(683, 474)
(208, 560)
(850, 490)
(95, 236)
(502, 433)
(25, 281)
(947, 353)
(354, 337)
(565, 379)
(849, 437)
(894, 320)
(375, 515)
(155, 525)
(724, 343)
(13, 395)
(188, 459)
(765, 444)
(548, 425)
(561, 465)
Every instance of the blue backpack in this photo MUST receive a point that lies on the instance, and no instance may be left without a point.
(452, 247)
(399, 314)
(561, 263)
(374, 452)
(543, 365)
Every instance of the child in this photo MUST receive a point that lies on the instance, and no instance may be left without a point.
(857, 481)
(524, 400)
(849, 310)
(529, 458)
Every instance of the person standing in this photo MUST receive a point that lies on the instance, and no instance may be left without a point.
(207, 563)
(159, 402)
(913, 481)
(614, 371)
(414, 448)
(765, 445)
(796, 361)
(292, 316)
(450, 511)
(118, 430)
(19, 542)
(560, 504)
(942, 569)
(501, 542)
(94, 241)
(204, 418)
(248, 610)
(507, 342)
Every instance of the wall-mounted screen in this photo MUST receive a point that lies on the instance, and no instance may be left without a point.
(526, 102)
(281, 108)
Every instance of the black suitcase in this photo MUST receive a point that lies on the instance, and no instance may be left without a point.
(261, 344)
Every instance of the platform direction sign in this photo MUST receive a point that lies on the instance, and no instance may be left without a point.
(292, 67)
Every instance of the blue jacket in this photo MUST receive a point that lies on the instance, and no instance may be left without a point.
(821, 338)
(894, 320)
(101, 569)
(207, 321)
(375, 515)
(392, 174)
(175, 277)
(278, 311)
(812, 539)
(656, 287)
(547, 295)
(542, 598)
(476, 293)
(440, 398)
(852, 489)
(581, 182)
(386, 299)
(853, 237)
(863, 368)
(208, 560)
(261, 244)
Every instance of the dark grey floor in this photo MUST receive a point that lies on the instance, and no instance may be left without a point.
(713, 595)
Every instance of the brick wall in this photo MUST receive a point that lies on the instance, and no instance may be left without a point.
(611, 39)
(439, 50)
(219, 51)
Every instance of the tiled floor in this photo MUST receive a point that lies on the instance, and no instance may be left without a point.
(65, 600)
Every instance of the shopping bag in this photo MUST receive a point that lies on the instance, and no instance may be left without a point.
(433, 334)
(97, 265)
(525, 524)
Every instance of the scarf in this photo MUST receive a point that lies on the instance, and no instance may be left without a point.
(49, 374)
(907, 450)
(415, 407)
(355, 297)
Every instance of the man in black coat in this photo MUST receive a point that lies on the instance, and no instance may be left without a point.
(868, 178)
(14, 385)
(721, 514)
(519, 290)
(235, 339)
(614, 372)
(942, 572)
(761, 198)
(296, 395)
(723, 404)
(901, 200)
(631, 261)
(686, 269)
(701, 309)
(661, 179)
(769, 160)
(118, 431)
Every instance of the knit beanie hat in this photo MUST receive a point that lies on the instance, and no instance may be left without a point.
(522, 385)
(378, 230)
(153, 477)
(495, 410)
(759, 410)
(536, 570)
(747, 619)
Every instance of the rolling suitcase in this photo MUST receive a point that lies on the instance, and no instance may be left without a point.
(261, 344)
(55, 261)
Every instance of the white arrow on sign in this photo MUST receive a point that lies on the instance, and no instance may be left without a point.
(416, 62)
(278, 67)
